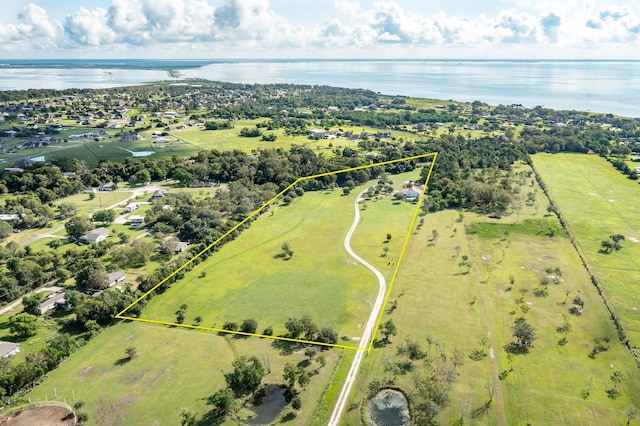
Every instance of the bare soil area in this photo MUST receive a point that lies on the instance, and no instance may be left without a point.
(49, 415)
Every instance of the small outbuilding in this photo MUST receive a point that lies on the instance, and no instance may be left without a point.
(116, 277)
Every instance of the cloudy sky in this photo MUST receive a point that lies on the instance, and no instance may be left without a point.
(320, 29)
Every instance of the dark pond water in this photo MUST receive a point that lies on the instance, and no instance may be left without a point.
(388, 408)
(268, 404)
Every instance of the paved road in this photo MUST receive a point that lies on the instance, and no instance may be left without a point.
(16, 302)
(368, 329)
(135, 193)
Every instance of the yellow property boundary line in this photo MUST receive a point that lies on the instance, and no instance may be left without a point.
(121, 315)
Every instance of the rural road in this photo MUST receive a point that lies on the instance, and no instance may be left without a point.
(135, 193)
(16, 302)
(368, 329)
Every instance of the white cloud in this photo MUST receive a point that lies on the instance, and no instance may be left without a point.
(165, 25)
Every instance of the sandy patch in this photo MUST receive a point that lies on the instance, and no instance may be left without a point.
(491, 354)
(593, 194)
(49, 415)
(546, 258)
(635, 240)
(611, 201)
(87, 371)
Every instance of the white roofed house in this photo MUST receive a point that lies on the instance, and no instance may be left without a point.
(317, 134)
(116, 277)
(95, 236)
(48, 304)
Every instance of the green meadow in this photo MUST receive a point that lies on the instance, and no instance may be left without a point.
(248, 277)
(441, 300)
(598, 201)
(174, 369)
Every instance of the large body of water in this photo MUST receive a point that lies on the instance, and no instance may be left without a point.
(599, 86)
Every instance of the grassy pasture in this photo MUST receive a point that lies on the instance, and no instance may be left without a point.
(597, 201)
(246, 279)
(114, 150)
(174, 369)
(437, 298)
(230, 139)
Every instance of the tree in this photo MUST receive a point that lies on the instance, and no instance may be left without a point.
(77, 226)
(388, 328)
(104, 216)
(188, 418)
(246, 375)
(290, 374)
(296, 403)
(616, 378)
(131, 352)
(327, 335)
(31, 303)
(67, 209)
(309, 327)
(524, 333)
(91, 276)
(221, 402)
(303, 378)
(632, 414)
(249, 325)
(295, 327)
(23, 325)
(5, 230)
(617, 241)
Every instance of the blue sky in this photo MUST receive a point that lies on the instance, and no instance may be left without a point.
(320, 28)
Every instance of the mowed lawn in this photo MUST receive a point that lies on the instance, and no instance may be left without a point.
(597, 201)
(247, 279)
(437, 299)
(174, 369)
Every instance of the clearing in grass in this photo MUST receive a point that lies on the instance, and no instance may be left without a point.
(292, 265)
(597, 201)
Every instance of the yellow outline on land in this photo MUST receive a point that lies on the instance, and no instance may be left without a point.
(120, 315)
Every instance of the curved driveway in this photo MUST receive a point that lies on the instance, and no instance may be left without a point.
(368, 329)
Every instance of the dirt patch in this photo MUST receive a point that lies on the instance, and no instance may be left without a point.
(49, 415)
(87, 371)
(132, 379)
(545, 258)
(633, 239)
(113, 414)
(129, 337)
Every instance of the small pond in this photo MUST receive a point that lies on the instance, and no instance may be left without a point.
(388, 408)
(267, 404)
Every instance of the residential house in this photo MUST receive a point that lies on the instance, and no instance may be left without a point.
(412, 192)
(132, 207)
(181, 246)
(317, 134)
(159, 193)
(95, 236)
(109, 186)
(116, 277)
(136, 221)
(8, 349)
(55, 299)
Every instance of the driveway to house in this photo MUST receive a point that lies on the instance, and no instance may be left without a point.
(368, 329)
(135, 193)
(10, 306)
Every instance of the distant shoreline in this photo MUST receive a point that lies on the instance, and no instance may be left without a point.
(176, 64)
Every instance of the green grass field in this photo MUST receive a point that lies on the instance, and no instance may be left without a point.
(174, 369)
(437, 298)
(245, 279)
(597, 201)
